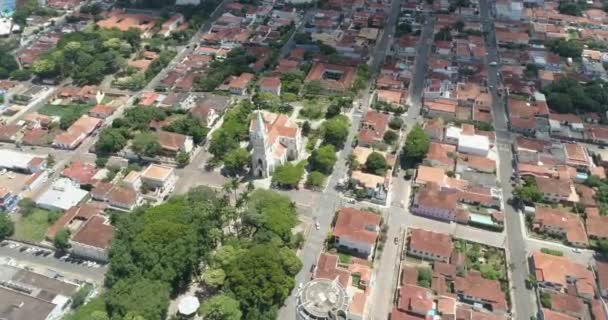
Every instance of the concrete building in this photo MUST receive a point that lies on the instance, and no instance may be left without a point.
(62, 195)
(21, 162)
(26, 295)
(158, 179)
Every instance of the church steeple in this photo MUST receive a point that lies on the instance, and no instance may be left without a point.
(260, 127)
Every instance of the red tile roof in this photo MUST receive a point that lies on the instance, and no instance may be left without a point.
(439, 244)
(97, 232)
(357, 225)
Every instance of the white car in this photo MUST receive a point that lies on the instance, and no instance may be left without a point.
(577, 250)
(317, 225)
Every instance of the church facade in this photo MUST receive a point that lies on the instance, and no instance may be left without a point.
(275, 139)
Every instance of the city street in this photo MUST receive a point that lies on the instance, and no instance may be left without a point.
(523, 299)
(331, 200)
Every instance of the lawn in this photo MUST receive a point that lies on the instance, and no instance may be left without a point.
(33, 227)
(344, 258)
(65, 110)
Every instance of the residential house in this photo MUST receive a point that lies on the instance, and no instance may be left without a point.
(92, 240)
(432, 201)
(373, 127)
(159, 179)
(101, 111)
(173, 143)
(270, 85)
(416, 300)
(561, 274)
(357, 231)
(556, 190)
(560, 223)
(239, 85)
(597, 225)
(430, 245)
(474, 289)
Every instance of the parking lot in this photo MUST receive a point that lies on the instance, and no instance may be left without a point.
(45, 261)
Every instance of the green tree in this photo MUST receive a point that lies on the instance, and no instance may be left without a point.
(288, 175)
(221, 307)
(81, 295)
(7, 226)
(21, 74)
(566, 48)
(99, 315)
(110, 140)
(416, 144)
(323, 159)
(146, 298)
(44, 68)
(67, 120)
(267, 101)
(146, 144)
(261, 280)
(335, 131)
(333, 110)
(444, 34)
(236, 161)
(214, 277)
(528, 193)
(396, 123)
(182, 158)
(26, 206)
(315, 180)
(270, 215)
(560, 102)
(390, 137)
(376, 164)
(313, 87)
(61, 241)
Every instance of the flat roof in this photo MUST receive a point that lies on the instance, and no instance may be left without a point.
(62, 194)
(19, 306)
(157, 172)
(11, 159)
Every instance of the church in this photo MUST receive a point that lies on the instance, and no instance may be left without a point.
(275, 139)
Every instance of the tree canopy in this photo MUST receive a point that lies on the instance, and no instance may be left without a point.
(7, 227)
(83, 56)
(566, 48)
(566, 95)
(323, 159)
(376, 164)
(221, 307)
(61, 241)
(261, 279)
(416, 144)
(335, 130)
(288, 175)
(146, 144)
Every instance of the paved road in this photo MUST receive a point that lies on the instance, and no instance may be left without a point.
(423, 52)
(397, 218)
(331, 200)
(523, 299)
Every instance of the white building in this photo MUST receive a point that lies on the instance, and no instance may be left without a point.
(467, 141)
(275, 139)
(22, 162)
(160, 180)
(62, 195)
(510, 10)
